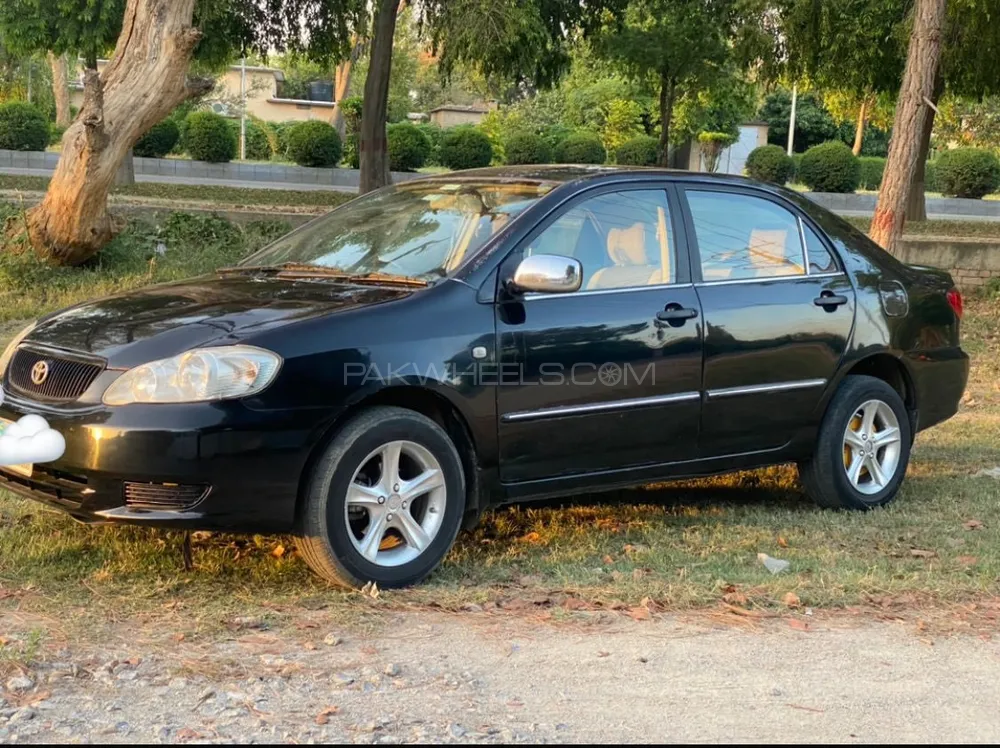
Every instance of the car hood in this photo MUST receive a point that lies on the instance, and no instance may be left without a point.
(161, 321)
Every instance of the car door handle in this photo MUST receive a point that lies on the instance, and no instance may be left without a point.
(827, 299)
(676, 313)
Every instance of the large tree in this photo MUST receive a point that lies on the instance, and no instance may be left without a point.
(912, 112)
(145, 79)
(853, 46)
(684, 45)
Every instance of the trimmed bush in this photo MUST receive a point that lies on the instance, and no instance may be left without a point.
(770, 163)
(581, 148)
(872, 168)
(408, 147)
(465, 147)
(796, 168)
(433, 134)
(159, 141)
(641, 150)
(23, 127)
(258, 147)
(55, 133)
(208, 137)
(314, 143)
(526, 148)
(968, 172)
(830, 167)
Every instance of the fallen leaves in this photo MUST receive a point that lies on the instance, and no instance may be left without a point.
(279, 551)
(791, 600)
(973, 524)
(323, 717)
(967, 560)
(921, 553)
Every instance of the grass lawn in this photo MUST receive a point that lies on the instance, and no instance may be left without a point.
(217, 195)
(683, 546)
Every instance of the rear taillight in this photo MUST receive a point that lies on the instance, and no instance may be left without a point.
(955, 299)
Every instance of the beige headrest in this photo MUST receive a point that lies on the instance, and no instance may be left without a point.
(767, 247)
(627, 246)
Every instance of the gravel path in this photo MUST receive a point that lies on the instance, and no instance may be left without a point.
(433, 677)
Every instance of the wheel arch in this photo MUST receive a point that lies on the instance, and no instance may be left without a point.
(419, 399)
(891, 370)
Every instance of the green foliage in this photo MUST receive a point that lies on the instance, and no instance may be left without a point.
(639, 151)
(712, 146)
(408, 147)
(622, 122)
(84, 27)
(796, 168)
(581, 148)
(465, 147)
(830, 167)
(55, 133)
(721, 106)
(314, 143)
(813, 124)
(433, 134)
(875, 141)
(208, 137)
(277, 136)
(23, 127)
(968, 172)
(770, 163)
(258, 145)
(351, 107)
(527, 148)
(930, 177)
(872, 168)
(159, 140)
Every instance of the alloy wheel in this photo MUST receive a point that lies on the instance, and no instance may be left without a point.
(872, 443)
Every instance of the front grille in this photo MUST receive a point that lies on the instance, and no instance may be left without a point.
(47, 484)
(66, 381)
(163, 496)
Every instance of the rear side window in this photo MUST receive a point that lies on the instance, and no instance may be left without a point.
(743, 237)
(820, 259)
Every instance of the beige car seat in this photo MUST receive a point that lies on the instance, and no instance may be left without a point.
(627, 250)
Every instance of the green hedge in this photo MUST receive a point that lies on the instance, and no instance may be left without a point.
(930, 177)
(830, 167)
(159, 140)
(526, 148)
(796, 168)
(770, 163)
(314, 143)
(258, 146)
(208, 137)
(582, 148)
(872, 168)
(968, 172)
(433, 134)
(642, 150)
(23, 127)
(465, 147)
(408, 147)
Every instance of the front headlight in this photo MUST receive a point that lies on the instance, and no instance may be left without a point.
(197, 376)
(8, 352)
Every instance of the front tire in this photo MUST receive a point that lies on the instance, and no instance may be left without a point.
(385, 501)
(863, 447)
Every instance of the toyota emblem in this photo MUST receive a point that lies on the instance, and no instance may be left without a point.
(39, 373)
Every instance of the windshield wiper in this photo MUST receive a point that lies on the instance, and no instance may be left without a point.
(305, 270)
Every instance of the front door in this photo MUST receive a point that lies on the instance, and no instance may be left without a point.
(779, 311)
(608, 377)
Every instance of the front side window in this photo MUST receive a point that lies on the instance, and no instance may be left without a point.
(743, 237)
(423, 231)
(622, 239)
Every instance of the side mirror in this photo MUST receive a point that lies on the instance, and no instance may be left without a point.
(548, 274)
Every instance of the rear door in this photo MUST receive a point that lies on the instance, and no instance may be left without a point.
(779, 312)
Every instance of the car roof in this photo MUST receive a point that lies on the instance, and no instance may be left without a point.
(567, 174)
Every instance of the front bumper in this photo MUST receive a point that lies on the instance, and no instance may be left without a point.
(249, 462)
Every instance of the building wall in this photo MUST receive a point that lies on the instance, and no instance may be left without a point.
(262, 88)
(451, 118)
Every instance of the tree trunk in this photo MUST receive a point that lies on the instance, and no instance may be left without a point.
(126, 172)
(145, 80)
(916, 203)
(60, 88)
(859, 133)
(372, 146)
(342, 86)
(668, 86)
(912, 111)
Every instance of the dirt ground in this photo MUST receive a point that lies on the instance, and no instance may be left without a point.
(426, 676)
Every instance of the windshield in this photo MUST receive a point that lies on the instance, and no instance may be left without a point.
(423, 231)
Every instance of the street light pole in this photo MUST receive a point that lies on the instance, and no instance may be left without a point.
(243, 109)
(791, 121)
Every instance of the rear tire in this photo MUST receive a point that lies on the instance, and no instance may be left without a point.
(385, 501)
(863, 447)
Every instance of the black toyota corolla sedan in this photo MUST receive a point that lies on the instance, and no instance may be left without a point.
(377, 378)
